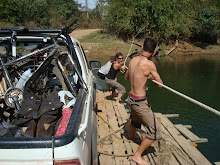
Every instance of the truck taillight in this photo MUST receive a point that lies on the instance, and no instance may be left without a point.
(67, 162)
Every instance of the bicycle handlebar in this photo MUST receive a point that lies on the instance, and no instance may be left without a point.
(71, 23)
(66, 28)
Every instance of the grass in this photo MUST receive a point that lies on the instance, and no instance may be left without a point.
(100, 46)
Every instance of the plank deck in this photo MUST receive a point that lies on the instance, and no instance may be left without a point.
(103, 130)
(175, 148)
(189, 135)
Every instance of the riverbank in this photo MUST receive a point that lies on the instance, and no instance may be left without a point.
(100, 46)
(185, 48)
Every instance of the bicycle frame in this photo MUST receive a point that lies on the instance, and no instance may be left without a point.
(54, 49)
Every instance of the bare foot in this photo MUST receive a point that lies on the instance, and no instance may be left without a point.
(139, 160)
(118, 104)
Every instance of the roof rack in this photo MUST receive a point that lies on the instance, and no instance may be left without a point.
(20, 30)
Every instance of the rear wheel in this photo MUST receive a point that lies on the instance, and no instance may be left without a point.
(50, 79)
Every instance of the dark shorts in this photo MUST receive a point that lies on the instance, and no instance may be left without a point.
(101, 76)
(141, 114)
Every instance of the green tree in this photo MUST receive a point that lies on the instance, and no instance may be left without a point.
(23, 12)
(67, 8)
(62, 11)
(164, 19)
(207, 25)
(38, 13)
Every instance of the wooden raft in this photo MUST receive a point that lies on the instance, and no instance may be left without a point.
(177, 147)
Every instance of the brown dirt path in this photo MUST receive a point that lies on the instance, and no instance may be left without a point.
(79, 33)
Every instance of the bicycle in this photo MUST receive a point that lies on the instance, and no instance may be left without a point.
(49, 61)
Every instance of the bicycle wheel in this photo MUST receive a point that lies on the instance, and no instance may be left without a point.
(51, 78)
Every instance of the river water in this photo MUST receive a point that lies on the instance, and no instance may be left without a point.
(197, 77)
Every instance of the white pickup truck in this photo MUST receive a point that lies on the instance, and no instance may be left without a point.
(31, 109)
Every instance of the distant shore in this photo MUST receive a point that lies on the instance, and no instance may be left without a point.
(100, 46)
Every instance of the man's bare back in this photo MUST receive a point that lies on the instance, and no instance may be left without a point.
(140, 69)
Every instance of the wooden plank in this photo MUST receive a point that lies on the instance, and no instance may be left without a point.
(103, 130)
(171, 115)
(159, 157)
(123, 120)
(187, 133)
(188, 126)
(124, 114)
(182, 152)
(202, 140)
(173, 160)
(192, 152)
(148, 155)
(171, 150)
(118, 145)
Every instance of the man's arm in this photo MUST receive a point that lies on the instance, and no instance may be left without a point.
(154, 74)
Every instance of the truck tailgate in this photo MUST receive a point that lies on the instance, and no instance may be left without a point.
(26, 156)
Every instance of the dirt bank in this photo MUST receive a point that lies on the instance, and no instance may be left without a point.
(185, 48)
(102, 47)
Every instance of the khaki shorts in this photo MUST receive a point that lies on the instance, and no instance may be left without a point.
(141, 113)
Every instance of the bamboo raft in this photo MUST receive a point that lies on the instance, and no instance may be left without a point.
(177, 147)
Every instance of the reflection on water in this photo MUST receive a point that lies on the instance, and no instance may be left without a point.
(194, 76)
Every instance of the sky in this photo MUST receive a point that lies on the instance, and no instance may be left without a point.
(91, 3)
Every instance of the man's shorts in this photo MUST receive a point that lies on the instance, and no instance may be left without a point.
(141, 113)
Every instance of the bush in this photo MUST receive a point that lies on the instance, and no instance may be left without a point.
(207, 26)
(38, 13)
(24, 11)
(164, 19)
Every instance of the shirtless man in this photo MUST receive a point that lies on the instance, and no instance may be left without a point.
(140, 70)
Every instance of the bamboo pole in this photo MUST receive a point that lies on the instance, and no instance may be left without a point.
(189, 98)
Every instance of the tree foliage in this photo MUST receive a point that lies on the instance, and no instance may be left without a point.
(163, 19)
(38, 13)
(207, 25)
(23, 12)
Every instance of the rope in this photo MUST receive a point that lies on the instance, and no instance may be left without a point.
(189, 98)
(129, 51)
(166, 149)
(169, 148)
(133, 43)
(163, 156)
(110, 135)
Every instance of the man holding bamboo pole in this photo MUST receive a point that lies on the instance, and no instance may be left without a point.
(140, 70)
